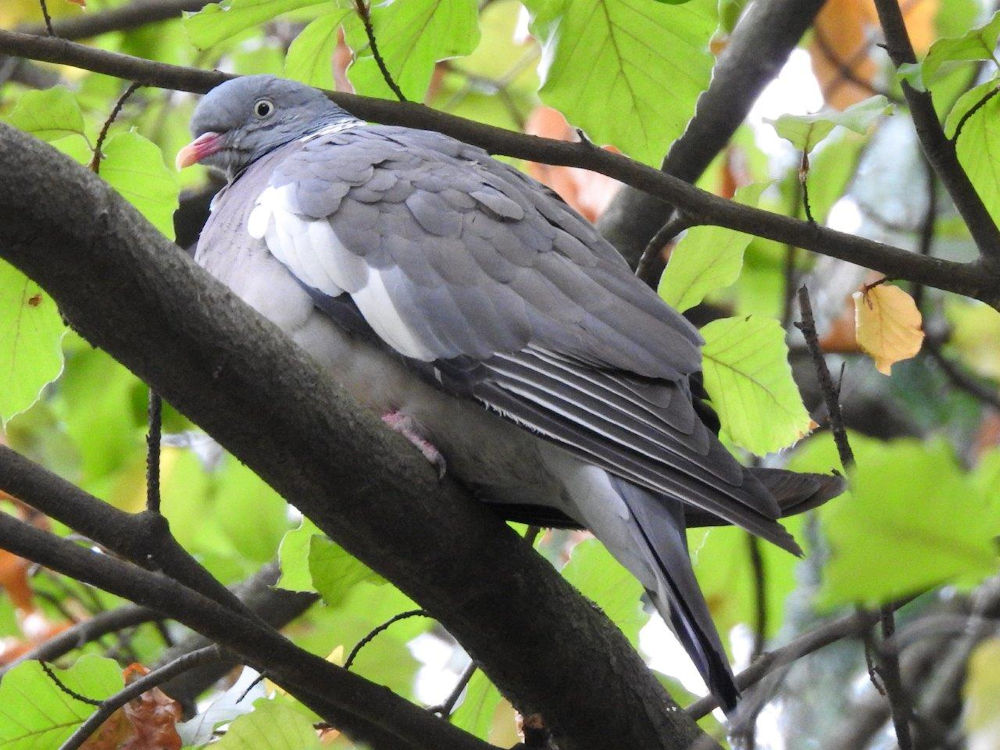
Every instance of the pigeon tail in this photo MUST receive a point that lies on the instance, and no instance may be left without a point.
(659, 532)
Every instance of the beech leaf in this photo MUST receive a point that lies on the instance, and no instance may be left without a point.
(749, 380)
(888, 325)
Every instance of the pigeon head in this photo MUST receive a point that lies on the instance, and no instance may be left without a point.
(242, 119)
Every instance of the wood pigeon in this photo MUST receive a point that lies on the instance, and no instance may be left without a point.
(486, 320)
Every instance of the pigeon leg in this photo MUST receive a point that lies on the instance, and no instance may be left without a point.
(407, 427)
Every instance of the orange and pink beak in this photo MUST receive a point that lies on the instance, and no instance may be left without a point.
(204, 145)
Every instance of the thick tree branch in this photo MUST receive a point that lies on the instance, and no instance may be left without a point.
(970, 279)
(940, 151)
(757, 48)
(131, 292)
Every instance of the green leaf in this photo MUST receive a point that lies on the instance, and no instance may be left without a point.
(977, 44)
(805, 131)
(236, 488)
(479, 706)
(134, 167)
(982, 695)
(750, 383)
(49, 115)
(721, 560)
(36, 713)
(270, 726)
(335, 571)
(31, 333)
(220, 21)
(411, 37)
(980, 136)
(626, 71)
(310, 56)
(707, 258)
(600, 578)
(293, 558)
(909, 500)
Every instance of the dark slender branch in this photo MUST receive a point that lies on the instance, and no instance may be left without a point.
(95, 162)
(804, 184)
(939, 150)
(68, 691)
(972, 110)
(155, 419)
(853, 624)
(362, 708)
(143, 538)
(651, 263)
(760, 596)
(448, 705)
(364, 13)
(349, 662)
(971, 279)
(900, 704)
(47, 17)
(131, 16)
(84, 632)
(830, 393)
(888, 658)
(133, 690)
(961, 379)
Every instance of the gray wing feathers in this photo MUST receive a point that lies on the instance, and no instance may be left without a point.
(449, 254)
(443, 213)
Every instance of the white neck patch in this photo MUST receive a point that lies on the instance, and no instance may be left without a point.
(334, 127)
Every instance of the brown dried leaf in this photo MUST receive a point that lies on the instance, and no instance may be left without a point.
(888, 325)
(587, 192)
(844, 40)
(152, 718)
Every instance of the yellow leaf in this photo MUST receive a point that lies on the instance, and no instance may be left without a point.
(982, 691)
(888, 325)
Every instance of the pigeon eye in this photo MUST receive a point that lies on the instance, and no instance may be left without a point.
(263, 108)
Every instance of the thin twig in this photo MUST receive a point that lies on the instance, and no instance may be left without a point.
(651, 263)
(133, 690)
(808, 328)
(62, 687)
(804, 182)
(155, 419)
(95, 163)
(939, 149)
(760, 596)
(975, 108)
(448, 705)
(805, 644)
(959, 378)
(888, 659)
(47, 17)
(349, 662)
(971, 279)
(364, 13)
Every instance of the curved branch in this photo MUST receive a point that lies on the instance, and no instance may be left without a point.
(131, 16)
(971, 279)
(939, 150)
(131, 292)
(199, 658)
